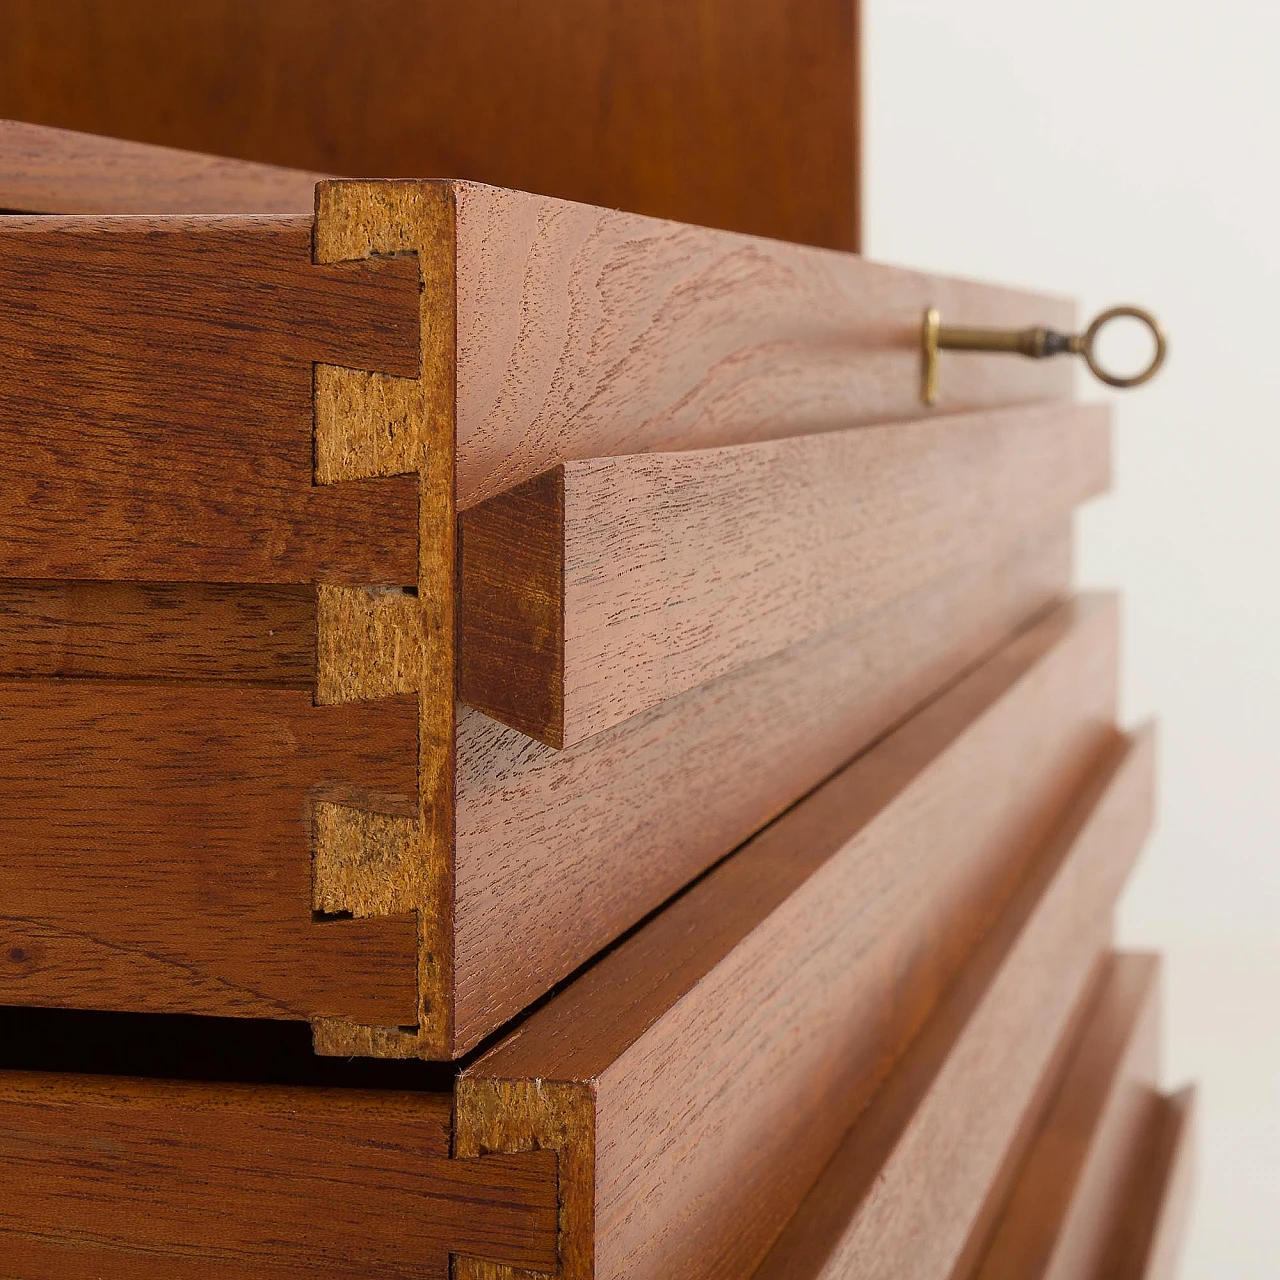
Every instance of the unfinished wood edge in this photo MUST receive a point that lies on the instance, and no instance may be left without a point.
(379, 643)
(370, 643)
(511, 588)
(339, 1038)
(367, 424)
(372, 424)
(531, 1115)
(365, 863)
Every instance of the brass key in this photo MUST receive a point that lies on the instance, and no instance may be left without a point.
(1038, 343)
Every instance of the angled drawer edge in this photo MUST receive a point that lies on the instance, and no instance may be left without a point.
(1063, 1216)
(906, 1185)
(605, 587)
(706, 1068)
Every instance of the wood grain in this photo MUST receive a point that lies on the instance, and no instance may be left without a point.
(726, 1045)
(177, 354)
(650, 105)
(1159, 1200)
(1066, 1211)
(576, 329)
(559, 852)
(821, 702)
(187, 631)
(901, 1192)
(124, 1179)
(588, 333)
(512, 610)
(163, 863)
(45, 170)
(182, 798)
(607, 586)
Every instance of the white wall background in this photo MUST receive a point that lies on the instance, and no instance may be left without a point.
(1129, 150)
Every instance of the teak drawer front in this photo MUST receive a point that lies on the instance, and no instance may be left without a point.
(909, 1186)
(1065, 1217)
(172, 861)
(607, 586)
(695, 1080)
(162, 1180)
(178, 352)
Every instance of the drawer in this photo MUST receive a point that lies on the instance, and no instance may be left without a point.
(246, 610)
(667, 1111)
(1100, 1191)
(130, 1179)
(910, 1189)
(697, 1078)
(199, 850)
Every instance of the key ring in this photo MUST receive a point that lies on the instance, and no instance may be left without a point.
(1088, 342)
(1038, 344)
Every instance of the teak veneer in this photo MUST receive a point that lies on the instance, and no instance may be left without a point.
(180, 632)
(175, 897)
(654, 105)
(156, 845)
(1066, 1216)
(607, 586)
(298, 408)
(165, 1180)
(696, 1079)
(908, 1187)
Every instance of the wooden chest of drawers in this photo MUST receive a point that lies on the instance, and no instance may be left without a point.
(557, 644)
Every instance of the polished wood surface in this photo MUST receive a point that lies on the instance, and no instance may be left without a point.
(44, 170)
(156, 413)
(731, 114)
(607, 586)
(186, 631)
(160, 1180)
(318, 376)
(1064, 1217)
(588, 333)
(720, 1051)
(180, 352)
(184, 818)
(559, 852)
(904, 1188)
(157, 850)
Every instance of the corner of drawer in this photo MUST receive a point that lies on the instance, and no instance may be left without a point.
(519, 1115)
(372, 424)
